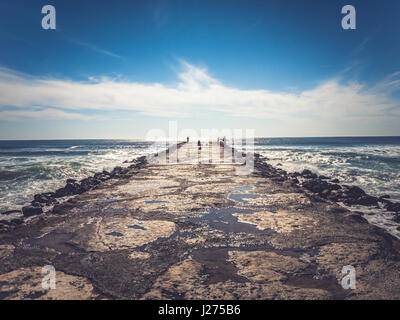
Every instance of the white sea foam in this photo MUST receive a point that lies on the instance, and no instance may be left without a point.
(376, 170)
(23, 175)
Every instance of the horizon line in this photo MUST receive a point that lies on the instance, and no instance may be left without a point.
(258, 137)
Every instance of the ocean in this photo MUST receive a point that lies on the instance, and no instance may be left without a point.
(31, 167)
(372, 163)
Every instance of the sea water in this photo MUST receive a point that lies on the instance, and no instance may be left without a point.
(31, 167)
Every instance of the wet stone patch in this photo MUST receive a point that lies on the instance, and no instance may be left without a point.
(225, 219)
(136, 227)
(216, 267)
(114, 233)
(243, 188)
(243, 194)
(155, 201)
(26, 283)
(112, 209)
(279, 221)
(241, 197)
(56, 241)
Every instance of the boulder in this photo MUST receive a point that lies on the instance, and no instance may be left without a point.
(29, 211)
(116, 171)
(37, 204)
(63, 208)
(367, 200)
(334, 186)
(88, 184)
(294, 174)
(69, 190)
(40, 198)
(335, 195)
(325, 193)
(101, 176)
(308, 174)
(16, 221)
(354, 192)
(395, 207)
(46, 198)
(358, 218)
(336, 209)
(11, 212)
(316, 185)
(12, 222)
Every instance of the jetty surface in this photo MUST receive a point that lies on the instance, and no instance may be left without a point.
(190, 225)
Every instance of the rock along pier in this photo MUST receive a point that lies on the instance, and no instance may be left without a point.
(194, 228)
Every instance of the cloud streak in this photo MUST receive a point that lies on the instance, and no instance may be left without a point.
(94, 48)
(49, 114)
(195, 93)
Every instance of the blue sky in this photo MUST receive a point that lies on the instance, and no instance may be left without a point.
(118, 69)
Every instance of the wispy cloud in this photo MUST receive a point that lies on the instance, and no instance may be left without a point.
(196, 93)
(361, 46)
(390, 84)
(43, 114)
(14, 37)
(160, 14)
(94, 48)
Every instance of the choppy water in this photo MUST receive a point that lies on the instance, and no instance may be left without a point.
(31, 167)
(372, 163)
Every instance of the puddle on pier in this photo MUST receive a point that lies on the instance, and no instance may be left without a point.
(137, 227)
(243, 193)
(156, 201)
(216, 266)
(241, 189)
(240, 197)
(57, 241)
(224, 220)
(114, 210)
(115, 234)
(289, 252)
(119, 234)
(311, 278)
